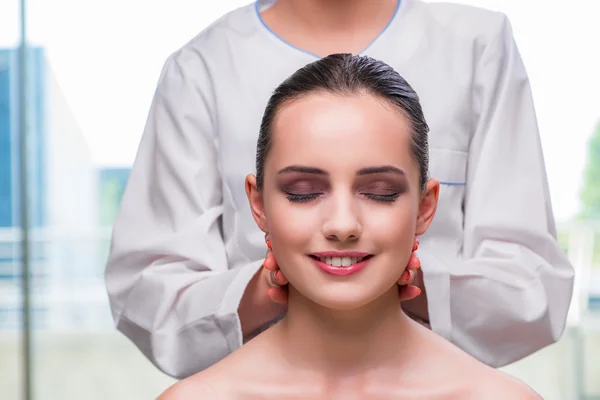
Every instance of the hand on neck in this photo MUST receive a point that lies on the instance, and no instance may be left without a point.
(345, 342)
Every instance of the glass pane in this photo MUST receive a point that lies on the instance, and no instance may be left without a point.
(570, 368)
(11, 304)
(91, 90)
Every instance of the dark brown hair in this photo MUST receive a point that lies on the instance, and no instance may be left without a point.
(345, 74)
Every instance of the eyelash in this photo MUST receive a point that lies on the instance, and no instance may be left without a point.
(386, 198)
(302, 198)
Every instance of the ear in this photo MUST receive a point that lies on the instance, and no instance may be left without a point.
(428, 205)
(256, 203)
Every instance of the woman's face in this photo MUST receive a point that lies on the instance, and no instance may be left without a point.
(341, 199)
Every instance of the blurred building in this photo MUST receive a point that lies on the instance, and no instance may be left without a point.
(62, 187)
(9, 138)
(111, 183)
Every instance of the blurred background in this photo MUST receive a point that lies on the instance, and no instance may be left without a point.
(91, 72)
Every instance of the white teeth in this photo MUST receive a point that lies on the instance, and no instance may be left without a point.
(340, 261)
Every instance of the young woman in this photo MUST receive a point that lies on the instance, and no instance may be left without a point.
(342, 190)
(184, 275)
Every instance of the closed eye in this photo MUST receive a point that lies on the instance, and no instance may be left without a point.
(386, 198)
(302, 198)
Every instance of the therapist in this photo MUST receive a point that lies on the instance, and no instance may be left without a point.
(184, 274)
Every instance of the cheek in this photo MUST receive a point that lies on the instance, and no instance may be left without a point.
(393, 228)
(291, 227)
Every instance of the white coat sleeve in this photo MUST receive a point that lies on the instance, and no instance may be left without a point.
(170, 289)
(507, 294)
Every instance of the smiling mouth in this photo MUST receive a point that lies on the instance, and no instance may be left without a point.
(341, 261)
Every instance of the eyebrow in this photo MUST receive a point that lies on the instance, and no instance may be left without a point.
(381, 170)
(365, 171)
(301, 169)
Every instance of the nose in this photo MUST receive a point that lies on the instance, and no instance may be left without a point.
(341, 222)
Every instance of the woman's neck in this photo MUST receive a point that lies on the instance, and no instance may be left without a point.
(319, 16)
(345, 342)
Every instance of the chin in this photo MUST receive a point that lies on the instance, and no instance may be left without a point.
(344, 299)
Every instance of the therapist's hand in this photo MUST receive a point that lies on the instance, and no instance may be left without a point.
(277, 282)
(278, 291)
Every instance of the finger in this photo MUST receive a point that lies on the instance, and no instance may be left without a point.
(270, 262)
(414, 262)
(273, 279)
(407, 277)
(280, 277)
(408, 292)
(276, 278)
(278, 294)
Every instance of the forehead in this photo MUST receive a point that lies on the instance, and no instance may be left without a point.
(341, 132)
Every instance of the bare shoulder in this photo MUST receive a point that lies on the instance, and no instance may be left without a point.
(222, 381)
(469, 378)
(191, 388)
(497, 385)
(213, 383)
(484, 382)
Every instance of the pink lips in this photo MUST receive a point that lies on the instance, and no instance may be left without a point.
(341, 271)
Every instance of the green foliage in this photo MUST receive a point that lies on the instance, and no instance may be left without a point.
(590, 192)
(111, 192)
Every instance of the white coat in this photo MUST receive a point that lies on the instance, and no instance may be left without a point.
(185, 245)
